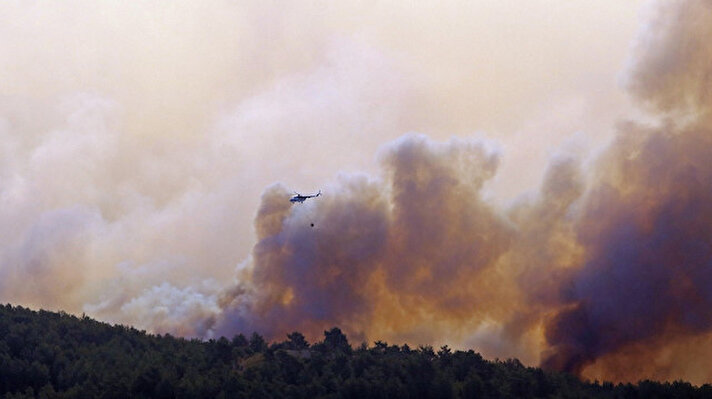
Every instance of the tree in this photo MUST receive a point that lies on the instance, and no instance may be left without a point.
(296, 341)
(53, 355)
(335, 340)
(239, 341)
(257, 343)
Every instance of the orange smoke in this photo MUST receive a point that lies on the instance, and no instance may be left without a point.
(407, 249)
(132, 202)
(598, 274)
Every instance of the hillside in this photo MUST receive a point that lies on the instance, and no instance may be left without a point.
(57, 355)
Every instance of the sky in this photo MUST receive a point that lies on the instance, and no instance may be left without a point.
(502, 176)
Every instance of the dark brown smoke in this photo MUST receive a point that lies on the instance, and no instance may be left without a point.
(646, 228)
(605, 272)
(303, 277)
(383, 255)
(646, 222)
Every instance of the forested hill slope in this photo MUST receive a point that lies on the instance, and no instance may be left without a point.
(56, 355)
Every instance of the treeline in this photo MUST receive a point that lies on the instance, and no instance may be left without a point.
(57, 355)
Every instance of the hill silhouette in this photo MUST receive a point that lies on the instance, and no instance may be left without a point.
(57, 355)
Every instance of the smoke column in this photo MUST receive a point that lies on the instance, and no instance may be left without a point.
(612, 267)
(395, 250)
(644, 225)
(603, 269)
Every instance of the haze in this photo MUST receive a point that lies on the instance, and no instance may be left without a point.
(478, 159)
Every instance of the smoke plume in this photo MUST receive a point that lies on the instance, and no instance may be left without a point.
(130, 193)
(608, 265)
(644, 225)
(384, 255)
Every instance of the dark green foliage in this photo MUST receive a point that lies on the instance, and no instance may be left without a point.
(296, 341)
(56, 355)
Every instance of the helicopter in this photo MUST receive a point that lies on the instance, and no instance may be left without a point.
(299, 198)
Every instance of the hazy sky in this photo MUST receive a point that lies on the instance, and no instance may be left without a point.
(193, 97)
(140, 145)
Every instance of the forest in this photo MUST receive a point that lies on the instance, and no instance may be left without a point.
(57, 355)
